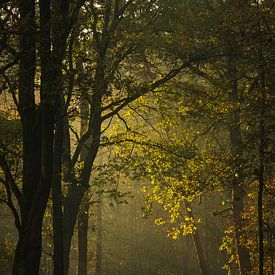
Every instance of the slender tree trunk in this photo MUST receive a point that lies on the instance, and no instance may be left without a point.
(261, 186)
(83, 224)
(260, 219)
(238, 191)
(136, 236)
(99, 237)
(261, 169)
(197, 243)
(58, 238)
(262, 136)
(83, 216)
(77, 190)
(75, 195)
(57, 201)
(238, 194)
(60, 32)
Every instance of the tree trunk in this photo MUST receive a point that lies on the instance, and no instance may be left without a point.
(260, 218)
(238, 194)
(99, 236)
(197, 243)
(57, 201)
(60, 32)
(83, 216)
(76, 190)
(31, 174)
(238, 191)
(83, 224)
(58, 158)
(262, 141)
(71, 207)
(37, 139)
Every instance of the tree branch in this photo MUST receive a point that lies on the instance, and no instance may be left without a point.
(10, 204)
(9, 65)
(10, 180)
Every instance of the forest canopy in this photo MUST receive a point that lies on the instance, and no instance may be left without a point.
(137, 137)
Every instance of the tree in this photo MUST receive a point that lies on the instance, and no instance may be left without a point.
(231, 69)
(37, 119)
(183, 86)
(115, 37)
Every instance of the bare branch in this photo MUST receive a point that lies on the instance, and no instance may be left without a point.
(10, 204)
(9, 65)
(95, 32)
(9, 178)
(119, 108)
(124, 121)
(145, 119)
(109, 124)
(13, 92)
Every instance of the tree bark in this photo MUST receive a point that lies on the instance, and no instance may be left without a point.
(262, 143)
(57, 201)
(37, 127)
(71, 207)
(260, 217)
(83, 224)
(99, 237)
(77, 190)
(197, 243)
(60, 32)
(238, 194)
(83, 216)
(238, 191)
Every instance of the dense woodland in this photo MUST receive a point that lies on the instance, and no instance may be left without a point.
(137, 137)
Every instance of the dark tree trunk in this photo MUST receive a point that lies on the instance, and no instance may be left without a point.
(60, 32)
(83, 216)
(260, 219)
(262, 133)
(238, 197)
(38, 126)
(76, 191)
(37, 140)
(262, 138)
(57, 201)
(83, 224)
(58, 237)
(99, 237)
(71, 208)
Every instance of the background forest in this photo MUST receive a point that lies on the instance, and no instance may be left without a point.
(137, 137)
